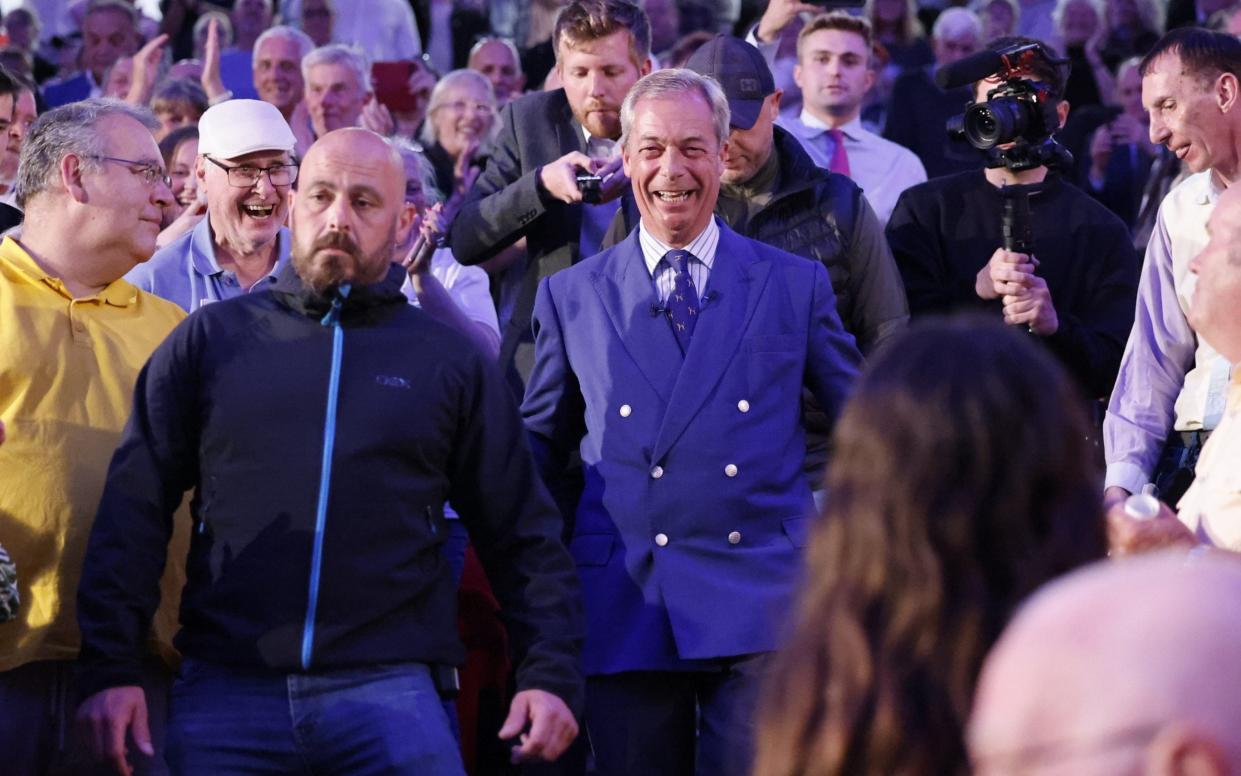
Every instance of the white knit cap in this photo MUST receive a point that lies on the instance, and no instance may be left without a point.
(238, 127)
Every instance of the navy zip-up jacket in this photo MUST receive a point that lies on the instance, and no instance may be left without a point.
(321, 437)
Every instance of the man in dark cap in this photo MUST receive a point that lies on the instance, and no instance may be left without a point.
(772, 191)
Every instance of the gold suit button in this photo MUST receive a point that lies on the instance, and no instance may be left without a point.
(731, 470)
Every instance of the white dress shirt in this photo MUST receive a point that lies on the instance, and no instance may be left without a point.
(1169, 378)
(468, 287)
(663, 273)
(882, 169)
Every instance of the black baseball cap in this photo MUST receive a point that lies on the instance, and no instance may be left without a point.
(741, 70)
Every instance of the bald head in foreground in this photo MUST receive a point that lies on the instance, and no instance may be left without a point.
(1127, 667)
(349, 210)
(323, 425)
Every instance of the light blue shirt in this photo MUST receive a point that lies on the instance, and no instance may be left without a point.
(664, 273)
(186, 272)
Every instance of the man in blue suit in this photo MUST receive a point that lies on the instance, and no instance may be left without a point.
(674, 363)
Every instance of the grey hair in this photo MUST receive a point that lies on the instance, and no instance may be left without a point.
(283, 32)
(120, 6)
(224, 32)
(438, 97)
(954, 21)
(505, 42)
(408, 149)
(69, 129)
(339, 54)
(673, 82)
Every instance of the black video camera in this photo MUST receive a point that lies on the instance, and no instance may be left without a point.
(1014, 127)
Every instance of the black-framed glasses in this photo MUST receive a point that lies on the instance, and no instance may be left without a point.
(245, 176)
(149, 172)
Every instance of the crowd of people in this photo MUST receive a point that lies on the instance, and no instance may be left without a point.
(613, 387)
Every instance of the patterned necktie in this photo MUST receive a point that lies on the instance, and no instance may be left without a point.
(682, 305)
(840, 159)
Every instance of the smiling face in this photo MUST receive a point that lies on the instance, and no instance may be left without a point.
(349, 210)
(244, 221)
(1190, 114)
(278, 74)
(184, 181)
(834, 73)
(674, 160)
(464, 116)
(128, 210)
(24, 114)
(596, 75)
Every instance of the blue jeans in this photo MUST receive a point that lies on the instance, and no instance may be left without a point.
(385, 719)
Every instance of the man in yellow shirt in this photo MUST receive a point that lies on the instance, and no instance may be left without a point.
(73, 336)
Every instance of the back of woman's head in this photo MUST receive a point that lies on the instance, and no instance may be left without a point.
(962, 478)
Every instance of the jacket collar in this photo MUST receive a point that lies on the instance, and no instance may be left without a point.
(361, 304)
(798, 171)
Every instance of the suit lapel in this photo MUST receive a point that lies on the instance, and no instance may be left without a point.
(737, 280)
(627, 294)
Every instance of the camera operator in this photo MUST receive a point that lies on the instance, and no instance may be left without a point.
(1074, 290)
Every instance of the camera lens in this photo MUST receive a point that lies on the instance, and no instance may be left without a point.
(996, 122)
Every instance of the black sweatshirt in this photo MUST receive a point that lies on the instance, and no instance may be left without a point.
(236, 404)
(944, 231)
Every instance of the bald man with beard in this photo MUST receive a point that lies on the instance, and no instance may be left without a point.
(1127, 667)
(323, 425)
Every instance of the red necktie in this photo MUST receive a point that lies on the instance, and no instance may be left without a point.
(840, 158)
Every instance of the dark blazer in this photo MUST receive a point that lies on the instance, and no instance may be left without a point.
(689, 531)
(507, 204)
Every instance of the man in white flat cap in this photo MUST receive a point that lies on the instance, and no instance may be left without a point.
(245, 169)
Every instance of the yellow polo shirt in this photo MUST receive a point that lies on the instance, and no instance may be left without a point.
(67, 373)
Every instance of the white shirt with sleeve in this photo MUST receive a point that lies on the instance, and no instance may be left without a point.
(1169, 379)
(468, 287)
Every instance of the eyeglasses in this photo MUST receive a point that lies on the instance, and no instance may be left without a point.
(244, 176)
(149, 172)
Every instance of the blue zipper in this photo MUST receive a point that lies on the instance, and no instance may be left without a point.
(332, 318)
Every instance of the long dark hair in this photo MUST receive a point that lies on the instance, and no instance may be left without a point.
(961, 479)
